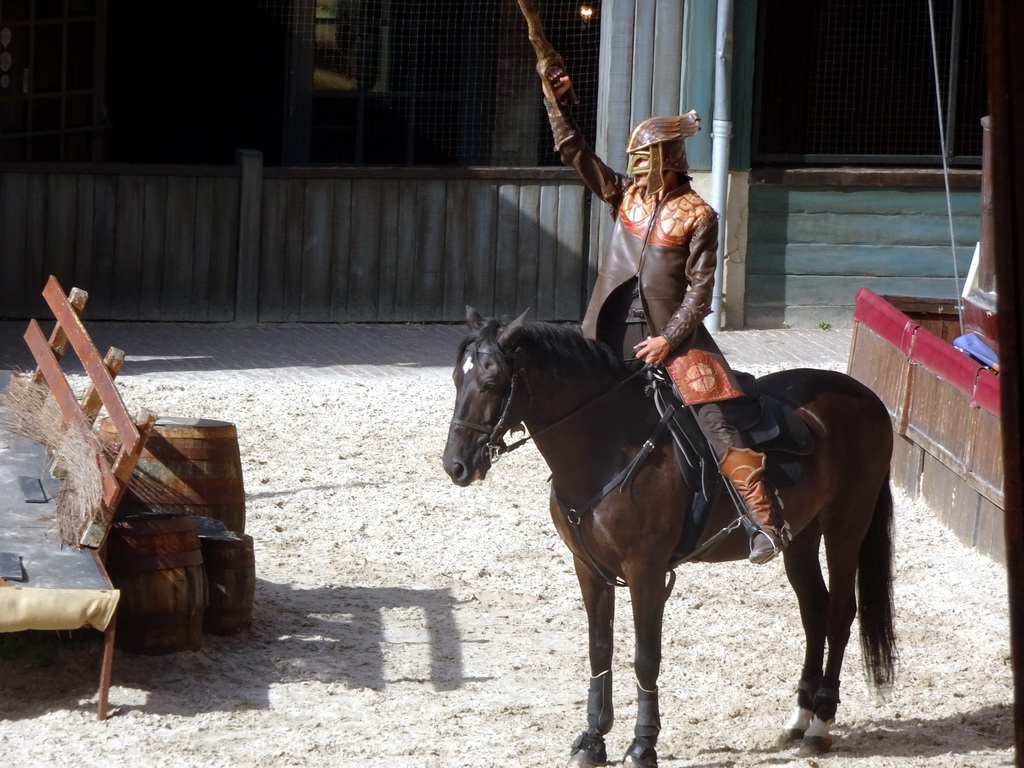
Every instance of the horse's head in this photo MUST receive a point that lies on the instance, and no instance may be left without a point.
(486, 400)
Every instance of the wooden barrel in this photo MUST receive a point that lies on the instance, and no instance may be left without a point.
(157, 563)
(190, 466)
(231, 574)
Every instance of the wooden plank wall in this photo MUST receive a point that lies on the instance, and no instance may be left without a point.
(419, 249)
(314, 245)
(810, 249)
(146, 245)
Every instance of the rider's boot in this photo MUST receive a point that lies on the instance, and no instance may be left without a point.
(744, 468)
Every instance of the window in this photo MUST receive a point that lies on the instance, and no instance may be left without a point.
(446, 82)
(853, 82)
(50, 100)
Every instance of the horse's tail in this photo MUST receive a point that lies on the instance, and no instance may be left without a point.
(874, 592)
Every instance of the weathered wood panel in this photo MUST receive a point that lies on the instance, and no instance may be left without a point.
(865, 200)
(885, 369)
(391, 217)
(907, 465)
(985, 464)
(426, 294)
(317, 249)
(342, 246)
(571, 273)
(177, 254)
(145, 245)
(483, 240)
(365, 240)
(35, 240)
(528, 250)
(154, 233)
(939, 418)
(990, 531)
(217, 229)
(950, 496)
(810, 249)
(127, 275)
(326, 246)
(457, 249)
(100, 271)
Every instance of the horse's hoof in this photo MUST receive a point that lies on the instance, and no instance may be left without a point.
(588, 750)
(580, 760)
(818, 739)
(813, 746)
(641, 754)
(797, 725)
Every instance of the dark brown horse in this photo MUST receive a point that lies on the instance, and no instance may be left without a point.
(590, 419)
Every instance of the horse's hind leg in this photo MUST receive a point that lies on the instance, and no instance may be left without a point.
(599, 598)
(827, 615)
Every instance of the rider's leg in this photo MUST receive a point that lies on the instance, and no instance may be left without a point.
(744, 469)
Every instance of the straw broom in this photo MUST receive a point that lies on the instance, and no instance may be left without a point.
(29, 410)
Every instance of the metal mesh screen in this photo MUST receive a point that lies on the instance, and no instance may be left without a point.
(854, 81)
(364, 82)
(449, 82)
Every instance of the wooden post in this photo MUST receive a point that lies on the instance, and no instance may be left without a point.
(1005, 30)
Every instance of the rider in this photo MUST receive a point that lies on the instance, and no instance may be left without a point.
(654, 287)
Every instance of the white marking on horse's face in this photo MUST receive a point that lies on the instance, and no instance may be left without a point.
(467, 365)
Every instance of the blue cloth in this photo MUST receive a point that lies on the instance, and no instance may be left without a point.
(972, 344)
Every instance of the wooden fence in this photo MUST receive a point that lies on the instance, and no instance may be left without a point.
(253, 244)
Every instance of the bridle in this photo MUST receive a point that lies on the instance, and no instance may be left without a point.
(495, 442)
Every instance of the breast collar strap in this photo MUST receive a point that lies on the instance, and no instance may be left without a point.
(575, 514)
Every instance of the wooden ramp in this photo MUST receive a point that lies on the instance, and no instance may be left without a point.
(945, 410)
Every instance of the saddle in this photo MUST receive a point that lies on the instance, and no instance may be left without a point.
(768, 426)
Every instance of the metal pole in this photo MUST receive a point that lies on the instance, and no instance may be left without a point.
(720, 137)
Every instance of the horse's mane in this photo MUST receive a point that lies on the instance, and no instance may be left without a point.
(560, 350)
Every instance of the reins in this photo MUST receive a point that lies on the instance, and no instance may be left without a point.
(495, 434)
(506, 448)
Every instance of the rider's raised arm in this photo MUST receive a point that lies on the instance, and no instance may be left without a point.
(603, 181)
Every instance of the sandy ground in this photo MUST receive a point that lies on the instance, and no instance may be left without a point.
(402, 621)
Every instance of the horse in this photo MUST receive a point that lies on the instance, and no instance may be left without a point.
(593, 422)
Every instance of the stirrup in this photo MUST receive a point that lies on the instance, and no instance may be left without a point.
(760, 556)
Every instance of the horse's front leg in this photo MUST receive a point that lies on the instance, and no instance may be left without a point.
(648, 593)
(599, 598)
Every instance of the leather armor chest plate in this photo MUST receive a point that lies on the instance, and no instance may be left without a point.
(678, 217)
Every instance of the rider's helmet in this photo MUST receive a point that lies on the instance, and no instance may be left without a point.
(656, 146)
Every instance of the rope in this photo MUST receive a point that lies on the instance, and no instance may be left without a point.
(945, 164)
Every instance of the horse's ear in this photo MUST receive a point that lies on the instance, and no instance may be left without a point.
(473, 319)
(509, 335)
